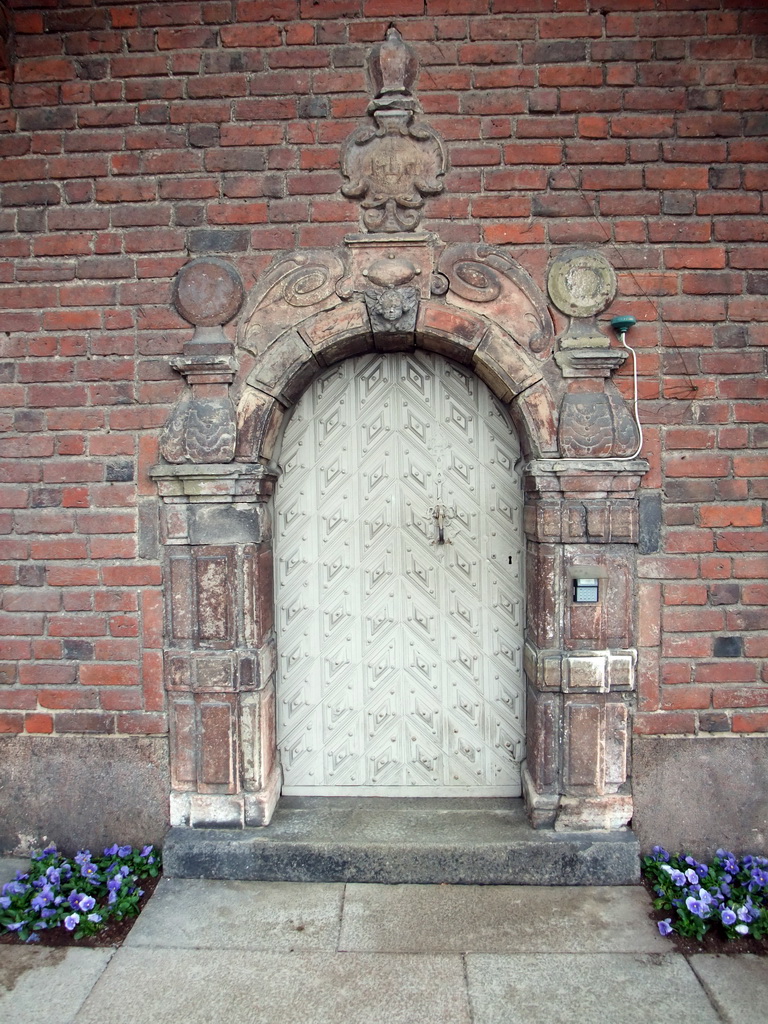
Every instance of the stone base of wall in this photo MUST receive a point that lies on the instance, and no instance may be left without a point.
(701, 794)
(82, 791)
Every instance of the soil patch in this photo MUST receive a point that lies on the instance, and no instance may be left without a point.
(112, 934)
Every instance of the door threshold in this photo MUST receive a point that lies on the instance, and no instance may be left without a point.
(406, 840)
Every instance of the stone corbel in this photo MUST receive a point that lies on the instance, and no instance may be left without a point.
(202, 427)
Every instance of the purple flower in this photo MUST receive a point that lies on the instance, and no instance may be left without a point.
(727, 916)
(87, 903)
(50, 849)
(110, 851)
(665, 926)
(124, 851)
(146, 850)
(743, 914)
(5, 902)
(15, 926)
(71, 922)
(47, 912)
(678, 877)
(113, 884)
(54, 876)
(692, 877)
(88, 870)
(14, 889)
(95, 918)
(699, 909)
(82, 856)
(33, 938)
(705, 896)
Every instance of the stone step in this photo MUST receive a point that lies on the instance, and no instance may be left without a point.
(457, 841)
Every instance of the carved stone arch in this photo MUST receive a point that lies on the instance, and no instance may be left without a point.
(474, 324)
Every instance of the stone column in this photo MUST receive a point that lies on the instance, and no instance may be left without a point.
(220, 644)
(581, 522)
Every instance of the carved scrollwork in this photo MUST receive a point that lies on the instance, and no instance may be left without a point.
(486, 277)
(292, 289)
(475, 282)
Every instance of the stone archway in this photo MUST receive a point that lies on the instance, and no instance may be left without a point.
(309, 311)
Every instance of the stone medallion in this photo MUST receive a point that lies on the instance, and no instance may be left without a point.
(581, 283)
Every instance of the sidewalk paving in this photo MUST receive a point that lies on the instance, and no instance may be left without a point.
(335, 953)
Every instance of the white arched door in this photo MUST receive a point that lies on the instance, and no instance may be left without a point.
(399, 652)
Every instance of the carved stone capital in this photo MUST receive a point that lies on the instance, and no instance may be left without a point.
(232, 482)
(590, 362)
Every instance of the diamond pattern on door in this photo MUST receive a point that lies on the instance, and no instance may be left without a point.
(400, 658)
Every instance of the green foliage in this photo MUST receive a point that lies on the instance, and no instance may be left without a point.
(80, 894)
(730, 893)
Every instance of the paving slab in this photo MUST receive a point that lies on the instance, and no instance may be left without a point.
(47, 986)
(207, 987)
(190, 913)
(737, 985)
(9, 866)
(498, 919)
(574, 988)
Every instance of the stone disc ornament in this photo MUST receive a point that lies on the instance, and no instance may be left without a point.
(581, 283)
(207, 292)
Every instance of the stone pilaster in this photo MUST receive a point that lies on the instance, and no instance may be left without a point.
(220, 645)
(581, 522)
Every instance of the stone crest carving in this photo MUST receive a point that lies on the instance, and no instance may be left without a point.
(393, 165)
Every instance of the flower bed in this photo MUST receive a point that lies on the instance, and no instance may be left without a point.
(729, 895)
(79, 895)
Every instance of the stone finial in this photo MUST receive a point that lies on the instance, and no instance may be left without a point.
(393, 67)
(393, 165)
(201, 428)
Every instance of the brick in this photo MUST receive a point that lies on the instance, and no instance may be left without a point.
(85, 722)
(734, 515)
(105, 674)
(680, 698)
(10, 723)
(659, 723)
(750, 722)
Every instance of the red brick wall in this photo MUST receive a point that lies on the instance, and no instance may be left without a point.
(135, 135)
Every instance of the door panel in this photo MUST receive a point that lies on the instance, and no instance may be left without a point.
(400, 657)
